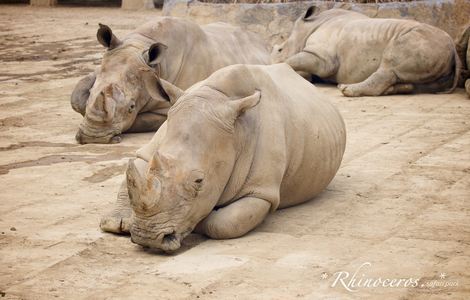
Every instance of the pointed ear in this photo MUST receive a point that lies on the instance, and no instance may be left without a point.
(156, 53)
(106, 37)
(172, 91)
(311, 12)
(243, 104)
(135, 181)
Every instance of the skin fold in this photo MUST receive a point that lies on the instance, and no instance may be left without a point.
(245, 142)
(368, 56)
(124, 94)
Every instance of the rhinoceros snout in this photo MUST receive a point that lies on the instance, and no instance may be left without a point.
(82, 138)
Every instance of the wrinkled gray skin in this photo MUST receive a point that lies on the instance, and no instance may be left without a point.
(242, 143)
(370, 57)
(123, 94)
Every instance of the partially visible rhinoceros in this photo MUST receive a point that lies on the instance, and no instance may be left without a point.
(123, 95)
(463, 48)
(370, 57)
(244, 142)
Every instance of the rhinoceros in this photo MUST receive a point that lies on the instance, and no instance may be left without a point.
(370, 57)
(246, 141)
(123, 94)
(463, 48)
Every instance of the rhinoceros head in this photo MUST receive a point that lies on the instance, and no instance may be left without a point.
(118, 90)
(189, 170)
(296, 41)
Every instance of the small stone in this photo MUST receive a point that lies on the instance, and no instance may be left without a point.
(13, 229)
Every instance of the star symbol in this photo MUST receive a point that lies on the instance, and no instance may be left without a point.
(443, 276)
(324, 275)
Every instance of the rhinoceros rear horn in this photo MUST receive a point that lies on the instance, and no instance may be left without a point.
(106, 37)
(243, 104)
(311, 11)
(81, 93)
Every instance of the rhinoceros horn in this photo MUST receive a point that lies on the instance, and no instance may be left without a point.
(143, 193)
(81, 93)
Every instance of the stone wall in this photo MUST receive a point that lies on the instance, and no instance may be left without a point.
(274, 21)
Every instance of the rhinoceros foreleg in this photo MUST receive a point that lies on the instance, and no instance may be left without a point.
(234, 220)
(119, 219)
(312, 63)
(376, 84)
(147, 121)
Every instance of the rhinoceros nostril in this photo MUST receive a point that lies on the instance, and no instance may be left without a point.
(168, 238)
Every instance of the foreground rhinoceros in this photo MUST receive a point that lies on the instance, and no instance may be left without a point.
(246, 141)
(124, 95)
(370, 57)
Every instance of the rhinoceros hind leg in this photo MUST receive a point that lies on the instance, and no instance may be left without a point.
(120, 218)
(234, 220)
(400, 88)
(375, 85)
(467, 86)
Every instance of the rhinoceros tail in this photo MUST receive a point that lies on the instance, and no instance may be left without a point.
(457, 71)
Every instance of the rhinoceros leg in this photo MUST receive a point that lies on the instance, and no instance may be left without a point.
(375, 85)
(235, 219)
(147, 121)
(400, 88)
(467, 86)
(119, 219)
(312, 63)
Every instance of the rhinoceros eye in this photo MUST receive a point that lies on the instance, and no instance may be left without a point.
(131, 108)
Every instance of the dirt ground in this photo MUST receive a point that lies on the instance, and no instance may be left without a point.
(398, 207)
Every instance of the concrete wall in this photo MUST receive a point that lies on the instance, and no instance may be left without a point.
(274, 21)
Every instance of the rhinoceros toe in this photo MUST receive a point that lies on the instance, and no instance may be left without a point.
(115, 224)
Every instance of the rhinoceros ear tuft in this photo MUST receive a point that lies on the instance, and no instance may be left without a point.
(243, 104)
(106, 37)
(311, 11)
(172, 91)
(156, 53)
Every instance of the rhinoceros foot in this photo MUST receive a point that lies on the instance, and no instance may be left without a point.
(116, 223)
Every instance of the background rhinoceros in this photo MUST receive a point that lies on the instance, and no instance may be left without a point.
(370, 56)
(123, 94)
(246, 141)
(463, 48)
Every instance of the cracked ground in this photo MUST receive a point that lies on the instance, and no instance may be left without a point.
(400, 200)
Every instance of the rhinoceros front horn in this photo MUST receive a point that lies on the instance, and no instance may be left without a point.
(81, 93)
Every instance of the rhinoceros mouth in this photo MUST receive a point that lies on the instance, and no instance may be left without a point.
(111, 138)
(167, 240)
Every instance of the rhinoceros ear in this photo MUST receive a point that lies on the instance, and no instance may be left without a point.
(243, 104)
(156, 53)
(172, 91)
(311, 12)
(106, 37)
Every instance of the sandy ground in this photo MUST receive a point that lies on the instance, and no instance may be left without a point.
(399, 202)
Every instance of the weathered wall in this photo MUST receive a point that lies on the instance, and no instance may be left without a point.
(275, 21)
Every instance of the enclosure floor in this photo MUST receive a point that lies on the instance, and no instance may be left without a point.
(400, 200)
